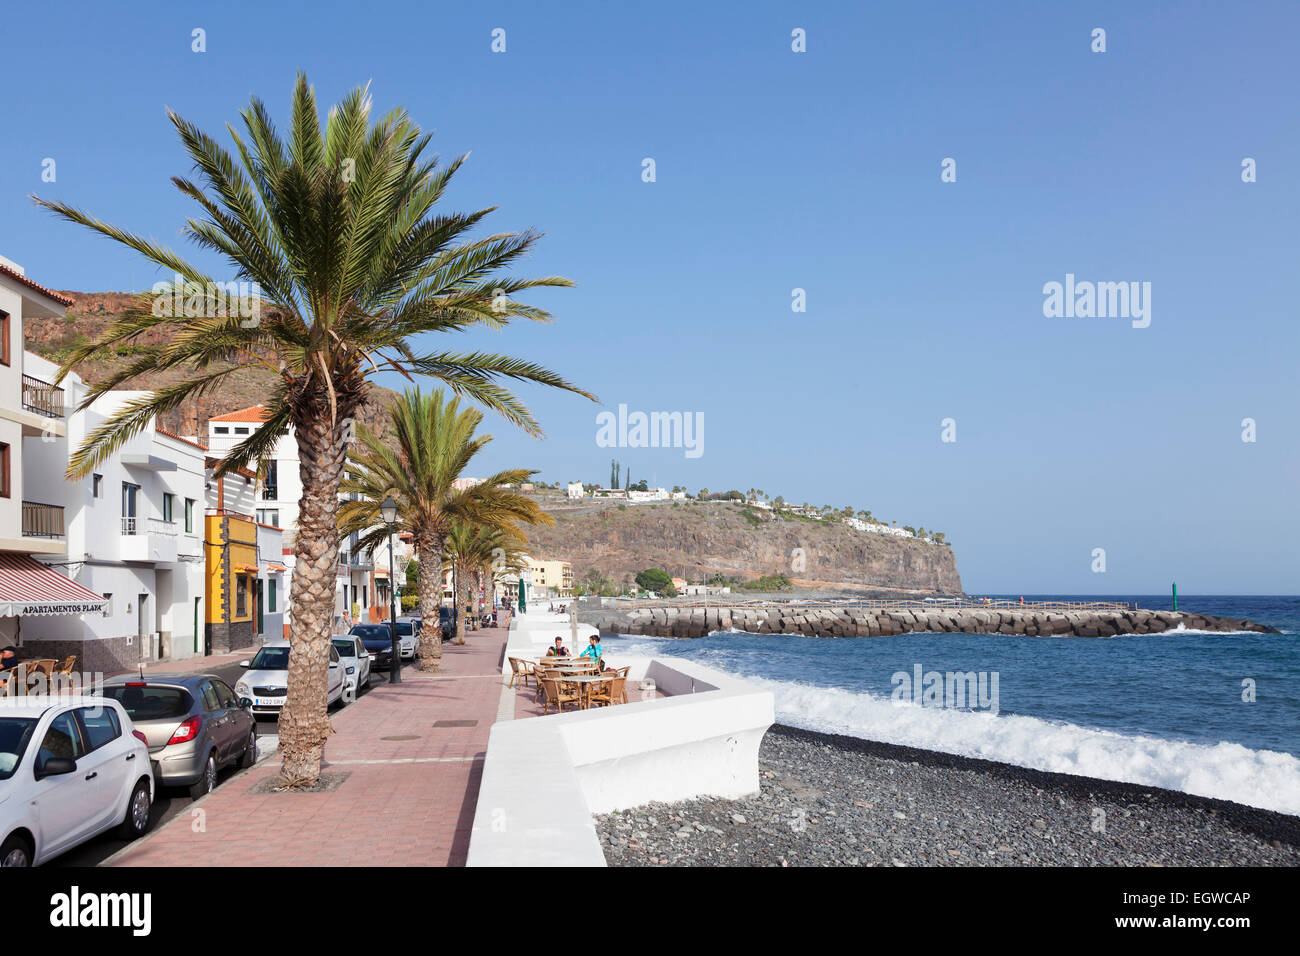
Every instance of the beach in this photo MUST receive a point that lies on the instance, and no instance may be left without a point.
(828, 800)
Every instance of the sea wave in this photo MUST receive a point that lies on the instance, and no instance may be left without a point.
(1227, 771)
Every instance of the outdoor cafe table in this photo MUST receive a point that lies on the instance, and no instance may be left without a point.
(587, 681)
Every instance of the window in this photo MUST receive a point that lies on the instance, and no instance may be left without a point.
(97, 485)
(241, 431)
(4, 470)
(224, 694)
(221, 429)
(4, 334)
(63, 739)
(101, 726)
(269, 516)
(189, 515)
(210, 699)
(272, 489)
(108, 606)
(270, 595)
(241, 596)
(168, 507)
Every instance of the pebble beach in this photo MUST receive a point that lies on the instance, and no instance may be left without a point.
(828, 800)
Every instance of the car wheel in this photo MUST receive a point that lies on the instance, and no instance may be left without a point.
(250, 751)
(16, 851)
(136, 823)
(208, 781)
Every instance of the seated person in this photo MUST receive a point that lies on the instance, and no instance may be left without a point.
(9, 658)
(558, 649)
(593, 649)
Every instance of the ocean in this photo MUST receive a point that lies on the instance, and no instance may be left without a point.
(1214, 714)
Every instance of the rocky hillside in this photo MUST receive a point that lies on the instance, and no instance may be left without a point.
(91, 315)
(695, 541)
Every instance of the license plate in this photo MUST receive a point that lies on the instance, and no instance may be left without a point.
(270, 701)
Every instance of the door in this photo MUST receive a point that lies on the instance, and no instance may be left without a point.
(104, 769)
(218, 720)
(335, 676)
(258, 597)
(129, 495)
(62, 808)
(239, 721)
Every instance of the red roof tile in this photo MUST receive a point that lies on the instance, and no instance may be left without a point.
(254, 413)
(49, 293)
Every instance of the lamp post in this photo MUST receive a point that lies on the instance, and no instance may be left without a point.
(388, 511)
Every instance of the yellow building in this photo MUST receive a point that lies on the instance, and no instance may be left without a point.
(230, 558)
(551, 578)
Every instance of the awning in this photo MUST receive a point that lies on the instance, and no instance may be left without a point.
(29, 587)
(276, 568)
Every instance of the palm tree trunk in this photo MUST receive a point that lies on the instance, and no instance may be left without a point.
(430, 585)
(304, 723)
(462, 599)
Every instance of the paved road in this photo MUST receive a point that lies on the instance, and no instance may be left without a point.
(168, 802)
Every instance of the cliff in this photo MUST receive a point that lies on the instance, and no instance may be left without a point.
(696, 540)
(91, 315)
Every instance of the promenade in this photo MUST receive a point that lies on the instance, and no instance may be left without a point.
(408, 757)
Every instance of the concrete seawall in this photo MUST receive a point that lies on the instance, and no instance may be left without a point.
(849, 621)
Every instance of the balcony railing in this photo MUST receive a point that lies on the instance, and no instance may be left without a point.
(132, 524)
(42, 521)
(42, 398)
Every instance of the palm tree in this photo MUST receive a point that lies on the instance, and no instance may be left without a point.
(433, 443)
(335, 230)
(473, 548)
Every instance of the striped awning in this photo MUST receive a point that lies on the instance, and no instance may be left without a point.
(29, 587)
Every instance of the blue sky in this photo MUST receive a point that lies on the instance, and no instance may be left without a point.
(820, 170)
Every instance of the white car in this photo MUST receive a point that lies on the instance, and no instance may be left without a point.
(356, 663)
(70, 769)
(408, 636)
(266, 682)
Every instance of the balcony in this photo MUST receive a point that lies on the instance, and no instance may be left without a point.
(42, 521)
(42, 398)
(149, 539)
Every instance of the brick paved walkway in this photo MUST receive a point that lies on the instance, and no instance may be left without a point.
(404, 802)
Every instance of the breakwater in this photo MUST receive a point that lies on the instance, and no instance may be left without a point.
(868, 620)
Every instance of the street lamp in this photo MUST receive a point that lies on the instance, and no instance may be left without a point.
(388, 511)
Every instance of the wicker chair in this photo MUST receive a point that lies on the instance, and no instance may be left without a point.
(68, 664)
(559, 692)
(14, 679)
(44, 665)
(517, 672)
(613, 692)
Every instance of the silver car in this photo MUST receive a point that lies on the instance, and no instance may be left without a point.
(193, 726)
(356, 663)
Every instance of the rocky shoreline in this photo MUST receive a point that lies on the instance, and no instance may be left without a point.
(828, 800)
(692, 622)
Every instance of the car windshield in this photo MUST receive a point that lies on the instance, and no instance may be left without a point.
(271, 659)
(145, 702)
(371, 631)
(404, 628)
(14, 734)
(346, 648)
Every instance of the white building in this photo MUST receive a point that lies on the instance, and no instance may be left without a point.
(575, 489)
(654, 494)
(134, 534)
(32, 521)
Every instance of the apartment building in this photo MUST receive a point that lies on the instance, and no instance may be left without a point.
(551, 579)
(32, 413)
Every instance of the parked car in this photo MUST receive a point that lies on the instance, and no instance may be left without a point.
(408, 636)
(447, 619)
(71, 768)
(267, 681)
(378, 640)
(355, 660)
(193, 724)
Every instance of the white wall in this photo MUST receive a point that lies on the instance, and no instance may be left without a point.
(544, 777)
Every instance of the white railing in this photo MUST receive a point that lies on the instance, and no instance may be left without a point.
(133, 524)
